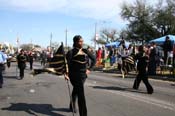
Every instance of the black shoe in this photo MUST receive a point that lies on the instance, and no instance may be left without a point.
(150, 92)
(72, 109)
(136, 88)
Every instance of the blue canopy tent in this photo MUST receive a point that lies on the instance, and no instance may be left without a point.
(113, 44)
(116, 44)
(162, 39)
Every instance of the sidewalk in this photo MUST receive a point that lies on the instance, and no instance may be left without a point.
(165, 77)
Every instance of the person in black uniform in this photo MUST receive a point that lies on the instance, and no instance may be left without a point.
(141, 68)
(77, 59)
(167, 47)
(9, 61)
(30, 58)
(43, 58)
(21, 58)
(152, 59)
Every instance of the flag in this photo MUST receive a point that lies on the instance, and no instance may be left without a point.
(57, 65)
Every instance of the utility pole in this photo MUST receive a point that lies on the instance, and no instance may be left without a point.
(51, 43)
(32, 46)
(17, 42)
(95, 38)
(66, 38)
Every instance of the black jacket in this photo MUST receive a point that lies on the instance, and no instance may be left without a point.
(167, 46)
(142, 62)
(21, 61)
(78, 62)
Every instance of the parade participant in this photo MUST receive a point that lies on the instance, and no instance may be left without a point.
(43, 58)
(78, 71)
(2, 61)
(111, 54)
(167, 47)
(122, 50)
(153, 56)
(141, 68)
(9, 61)
(122, 55)
(30, 58)
(21, 60)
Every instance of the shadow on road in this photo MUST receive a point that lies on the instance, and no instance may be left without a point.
(119, 89)
(31, 109)
(10, 77)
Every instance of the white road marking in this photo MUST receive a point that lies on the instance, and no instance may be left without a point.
(139, 97)
(32, 91)
(146, 99)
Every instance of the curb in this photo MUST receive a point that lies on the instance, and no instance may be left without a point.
(155, 77)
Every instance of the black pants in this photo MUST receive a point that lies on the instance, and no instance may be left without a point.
(1, 76)
(8, 64)
(21, 67)
(77, 81)
(152, 67)
(21, 71)
(143, 76)
(165, 56)
(31, 65)
(43, 62)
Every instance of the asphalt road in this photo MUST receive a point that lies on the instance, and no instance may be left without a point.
(106, 95)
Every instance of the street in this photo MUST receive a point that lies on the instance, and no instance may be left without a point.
(107, 94)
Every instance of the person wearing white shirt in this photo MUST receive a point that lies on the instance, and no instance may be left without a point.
(3, 59)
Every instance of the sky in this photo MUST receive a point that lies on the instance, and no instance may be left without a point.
(33, 21)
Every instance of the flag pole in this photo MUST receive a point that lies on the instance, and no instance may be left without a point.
(17, 41)
(67, 80)
(70, 97)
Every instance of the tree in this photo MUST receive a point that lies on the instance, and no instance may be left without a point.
(106, 36)
(147, 22)
(29, 47)
(139, 18)
(37, 46)
(164, 17)
(26, 47)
